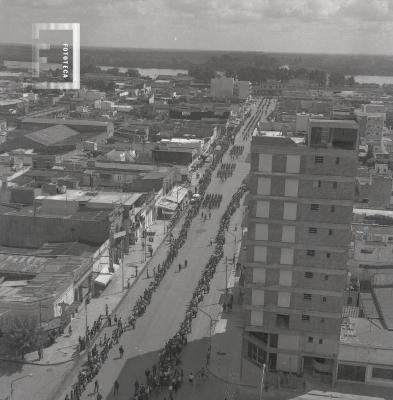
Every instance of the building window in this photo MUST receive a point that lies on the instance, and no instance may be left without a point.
(310, 339)
(382, 373)
(282, 320)
(311, 253)
(291, 187)
(290, 211)
(286, 255)
(312, 230)
(334, 185)
(317, 184)
(320, 341)
(307, 296)
(305, 317)
(337, 160)
(308, 275)
(284, 299)
(330, 232)
(314, 207)
(351, 372)
(332, 208)
(318, 160)
(324, 299)
(327, 255)
(293, 164)
(265, 162)
(262, 209)
(273, 340)
(256, 354)
(326, 277)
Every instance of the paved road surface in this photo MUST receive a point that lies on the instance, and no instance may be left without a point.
(167, 308)
(160, 322)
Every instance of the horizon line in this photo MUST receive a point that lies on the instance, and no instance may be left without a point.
(213, 51)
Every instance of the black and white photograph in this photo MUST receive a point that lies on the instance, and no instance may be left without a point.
(196, 200)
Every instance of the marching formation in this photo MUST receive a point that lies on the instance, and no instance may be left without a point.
(170, 355)
(226, 171)
(212, 200)
(236, 151)
(164, 373)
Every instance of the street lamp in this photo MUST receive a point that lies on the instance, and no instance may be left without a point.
(211, 321)
(87, 301)
(262, 378)
(18, 379)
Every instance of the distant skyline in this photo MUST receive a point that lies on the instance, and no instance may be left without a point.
(290, 26)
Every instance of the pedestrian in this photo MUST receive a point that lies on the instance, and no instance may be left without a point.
(121, 351)
(99, 396)
(116, 388)
(147, 273)
(208, 354)
(96, 386)
(185, 263)
(179, 267)
(128, 283)
(106, 309)
(136, 271)
(191, 378)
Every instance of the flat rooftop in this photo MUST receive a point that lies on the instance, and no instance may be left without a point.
(372, 211)
(334, 123)
(43, 272)
(87, 215)
(59, 121)
(319, 395)
(362, 340)
(127, 199)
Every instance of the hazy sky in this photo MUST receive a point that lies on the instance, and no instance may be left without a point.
(333, 26)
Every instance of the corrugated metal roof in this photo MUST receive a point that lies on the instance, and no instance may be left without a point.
(384, 300)
(52, 135)
(58, 121)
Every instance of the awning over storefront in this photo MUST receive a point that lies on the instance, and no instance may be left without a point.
(103, 279)
(167, 205)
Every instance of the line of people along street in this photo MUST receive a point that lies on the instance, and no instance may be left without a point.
(98, 354)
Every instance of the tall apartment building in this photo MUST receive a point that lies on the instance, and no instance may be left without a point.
(222, 87)
(299, 228)
(242, 89)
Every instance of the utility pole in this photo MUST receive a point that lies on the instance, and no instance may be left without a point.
(122, 272)
(226, 275)
(86, 303)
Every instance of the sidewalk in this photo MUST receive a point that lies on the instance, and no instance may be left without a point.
(64, 349)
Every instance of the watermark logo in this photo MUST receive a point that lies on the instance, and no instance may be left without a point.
(69, 56)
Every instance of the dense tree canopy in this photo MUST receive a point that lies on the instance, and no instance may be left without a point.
(202, 73)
